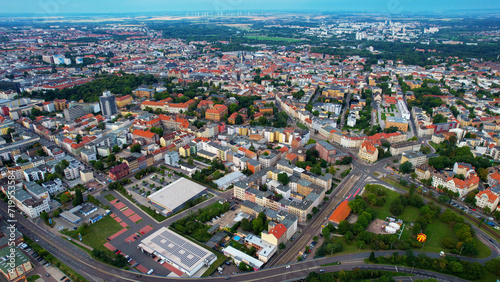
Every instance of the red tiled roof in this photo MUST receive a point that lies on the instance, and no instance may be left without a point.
(142, 133)
(278, 230)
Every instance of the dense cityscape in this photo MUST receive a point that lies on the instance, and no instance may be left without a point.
(250, 146)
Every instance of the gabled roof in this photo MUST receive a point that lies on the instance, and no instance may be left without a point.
(278, 231)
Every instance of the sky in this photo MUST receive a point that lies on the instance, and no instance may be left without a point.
(55, 7)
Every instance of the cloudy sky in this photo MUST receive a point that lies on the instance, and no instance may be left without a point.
(142, 6)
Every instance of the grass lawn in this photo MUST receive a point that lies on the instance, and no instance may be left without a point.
(302, 126)
(436, 232)
(410, 214)
(484, 251)
(488, 277)
(394, 183)
(331, 263)
(376, 174)
(109, 197)
(272, 38)
(96, 234)
(33, 278)
(348, 248)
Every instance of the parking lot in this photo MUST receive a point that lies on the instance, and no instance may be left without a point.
(147, 185)
(127, 240)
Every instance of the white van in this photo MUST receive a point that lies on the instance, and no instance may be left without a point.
(150, 271)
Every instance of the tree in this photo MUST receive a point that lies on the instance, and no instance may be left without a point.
(65, 197)
(372, 257)
(233, 108)
(344, 226)
(99, 165)
(78, 197)
(486, 210)
(439, 118)
(396, 207)
(116, 149)
(111, 159)
(136, 148)
(405, 167)
(426, 150)
(190, 160)
(326, 232)
(44, 215)
(413, 175)
(78, 139)
(282, 246)
(238, 120)
(493, 266)
(283, 178)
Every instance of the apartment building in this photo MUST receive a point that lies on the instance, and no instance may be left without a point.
(368, 152)
(216, 113)
(487, 198)
(399, 148)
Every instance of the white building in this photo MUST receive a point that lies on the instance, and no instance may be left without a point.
(53, 186)
(172, 158)
(177, 251)
(351, 119)
(403, 110)
(73, 170)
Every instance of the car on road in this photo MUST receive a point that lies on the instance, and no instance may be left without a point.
(321, 270)
(47, 274)
(64, 277)
(227, 277)
(474, 209)
(288, 266)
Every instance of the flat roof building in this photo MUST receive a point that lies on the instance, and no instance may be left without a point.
(173, 196)
(177, 251)
(224, 182)
(240, 256)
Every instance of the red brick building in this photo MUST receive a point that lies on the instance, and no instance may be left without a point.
(118, 171)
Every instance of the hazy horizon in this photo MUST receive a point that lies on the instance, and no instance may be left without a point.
(154, 7)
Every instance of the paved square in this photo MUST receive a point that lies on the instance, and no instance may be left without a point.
(123, 224)
(135, 218)
(173, 269)
(130, 239)
(118, 219)
(109, 246)
(117, 234)
(128, 212)
(112, 215)
(145, 229)
(114, 201)
(142, 269)
(119, 205)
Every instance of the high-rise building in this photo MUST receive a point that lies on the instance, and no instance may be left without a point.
(108, 104)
